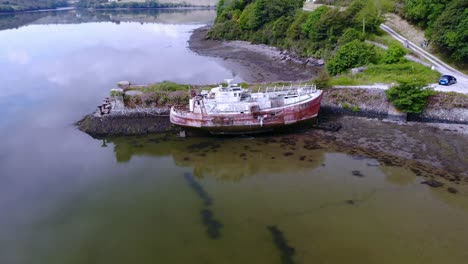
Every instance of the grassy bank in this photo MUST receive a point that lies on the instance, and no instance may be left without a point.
(166, 94)
(385, 73)
(163, 94)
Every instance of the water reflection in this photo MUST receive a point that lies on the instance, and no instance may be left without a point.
(169, 16)
(224, 158)
(398, 175)
(69, 66)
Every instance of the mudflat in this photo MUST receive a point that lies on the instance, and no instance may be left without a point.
(255, 63)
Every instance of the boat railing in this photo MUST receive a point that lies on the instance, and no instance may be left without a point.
(291, 89)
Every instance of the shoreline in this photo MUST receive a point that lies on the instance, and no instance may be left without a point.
(152, 8)
(262, 63)
(337, 102)
(107, 9)
(40, 10)
(254, 63)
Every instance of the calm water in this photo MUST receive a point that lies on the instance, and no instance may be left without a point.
(68, 198)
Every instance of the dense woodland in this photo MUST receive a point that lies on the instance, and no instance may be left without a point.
(326, 30)
(445, 22)
(283, 23)
(27, 5)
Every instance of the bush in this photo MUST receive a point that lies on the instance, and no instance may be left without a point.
(394, 54)
(132, 101)
(178, 97)
(248, 20)
(349, 35)
(410, 96)
(115, 93)
(322, 81)
(166, 86)
(228, 30)
(309, 28)
(353, 54)
(279, 29)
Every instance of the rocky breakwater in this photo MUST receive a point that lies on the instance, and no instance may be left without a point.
(444, 108)
(451, 108)
(133, 109)
(362, 102)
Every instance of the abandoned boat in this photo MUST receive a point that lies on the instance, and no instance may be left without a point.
(231, 109)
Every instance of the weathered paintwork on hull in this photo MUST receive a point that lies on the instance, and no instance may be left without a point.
(250, 130)
(245, 123)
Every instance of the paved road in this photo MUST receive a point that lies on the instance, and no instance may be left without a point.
(462, 79)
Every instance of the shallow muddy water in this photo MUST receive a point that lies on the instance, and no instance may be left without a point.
(296, 198)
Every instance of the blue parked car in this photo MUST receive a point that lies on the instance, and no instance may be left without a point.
(447, 80)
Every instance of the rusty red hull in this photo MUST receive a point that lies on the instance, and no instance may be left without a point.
(245, 123)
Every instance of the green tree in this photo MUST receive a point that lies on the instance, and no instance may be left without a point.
(309, 28)
(349, 35)
(353, 54)
(450, 31)
(394, 54)
(248, 20)
(219, 8)
(423, 12)
(410, 96)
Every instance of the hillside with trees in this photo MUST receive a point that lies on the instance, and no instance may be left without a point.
(445, 23)
(29, 5)
(283, 23)
(329, 29)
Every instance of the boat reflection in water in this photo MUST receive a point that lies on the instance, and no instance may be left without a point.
(224, 158)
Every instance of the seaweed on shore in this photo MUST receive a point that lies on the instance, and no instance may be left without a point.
(287, 252)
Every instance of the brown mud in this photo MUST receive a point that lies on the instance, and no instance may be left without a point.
(428, 151)
(253, 63)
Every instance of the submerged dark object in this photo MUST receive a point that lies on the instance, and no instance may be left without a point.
(333, 127)
(207, 200)
(357, 173)
(452, 190)
(287, 252)
(433, 183)
(213, 226)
